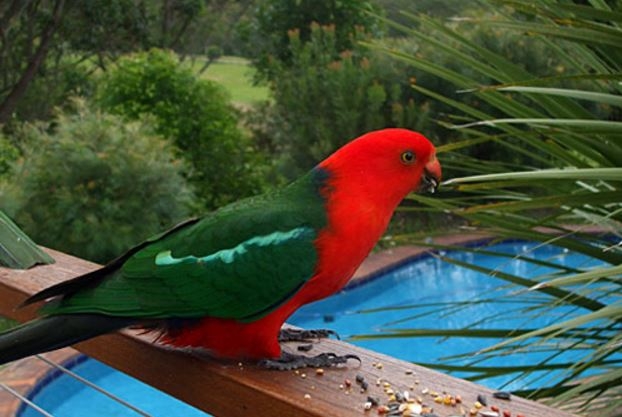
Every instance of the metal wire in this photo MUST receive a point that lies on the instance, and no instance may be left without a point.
(95, 387)
(25, 400)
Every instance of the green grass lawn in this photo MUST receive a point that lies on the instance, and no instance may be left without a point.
(235, 75)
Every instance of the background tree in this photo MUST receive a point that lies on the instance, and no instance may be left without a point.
(176, 17)
(47, 47)
(268, 37)
(195, 114)
(8, 153)
(225, 24)
(31, 38)
(325, 96)
(101, 30)
(93, 185)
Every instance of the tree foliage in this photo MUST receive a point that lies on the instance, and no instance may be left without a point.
(93, 185)
(44, 42)
(105, 29)
(325, 96)
(194, 113)
(28, 32)
(273, 21)
(8, 153)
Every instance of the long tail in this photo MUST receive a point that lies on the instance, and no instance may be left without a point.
(54, 332)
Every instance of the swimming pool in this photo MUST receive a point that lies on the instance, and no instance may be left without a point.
(64, 396)
(426, 284)
(416, 296)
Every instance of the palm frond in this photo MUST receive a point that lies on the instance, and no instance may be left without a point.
(559, 183)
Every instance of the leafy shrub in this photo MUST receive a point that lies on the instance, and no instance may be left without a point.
(93, 185)
(268, 37)
(194, 113)
(325, 97)
(8, 154)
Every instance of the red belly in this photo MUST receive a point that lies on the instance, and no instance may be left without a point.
(230, 339)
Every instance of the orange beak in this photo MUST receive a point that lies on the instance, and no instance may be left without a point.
(431, 175)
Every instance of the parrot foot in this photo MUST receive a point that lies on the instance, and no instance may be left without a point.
(300, 335)
(290, 361)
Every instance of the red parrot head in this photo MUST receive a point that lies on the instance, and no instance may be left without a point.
(389, 163)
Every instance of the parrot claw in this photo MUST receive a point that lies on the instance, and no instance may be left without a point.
(290, 361)
(300, 335)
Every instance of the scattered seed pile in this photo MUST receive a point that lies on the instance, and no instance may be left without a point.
(418, 401)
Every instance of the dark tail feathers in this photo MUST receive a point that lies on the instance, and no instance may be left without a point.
(54, 332)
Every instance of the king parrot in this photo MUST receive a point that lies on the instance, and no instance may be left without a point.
(228, 281)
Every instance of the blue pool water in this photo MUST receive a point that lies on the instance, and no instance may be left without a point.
(424, 285)
(398, 299)
(67, 397)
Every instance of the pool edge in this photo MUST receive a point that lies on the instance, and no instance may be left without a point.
(28, 375)
(382, 262)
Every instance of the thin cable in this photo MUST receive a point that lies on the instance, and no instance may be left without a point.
(95, 387)
(25, 400)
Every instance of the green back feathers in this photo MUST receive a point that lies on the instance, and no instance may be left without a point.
(240, 262)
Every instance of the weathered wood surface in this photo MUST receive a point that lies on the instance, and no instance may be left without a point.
(233, 389)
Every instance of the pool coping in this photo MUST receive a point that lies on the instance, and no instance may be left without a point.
(381, 262)
(29, 375)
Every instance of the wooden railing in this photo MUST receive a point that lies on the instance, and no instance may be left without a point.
(233, 389)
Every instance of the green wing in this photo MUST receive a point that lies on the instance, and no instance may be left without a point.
(241, 263)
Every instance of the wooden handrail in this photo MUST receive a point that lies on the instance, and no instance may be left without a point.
(234, 389)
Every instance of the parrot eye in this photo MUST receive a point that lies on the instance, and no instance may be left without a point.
(407, 157)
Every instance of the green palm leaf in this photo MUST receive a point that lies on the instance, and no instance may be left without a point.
(568, 127)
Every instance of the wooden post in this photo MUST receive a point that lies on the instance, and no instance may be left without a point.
(232, 389)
